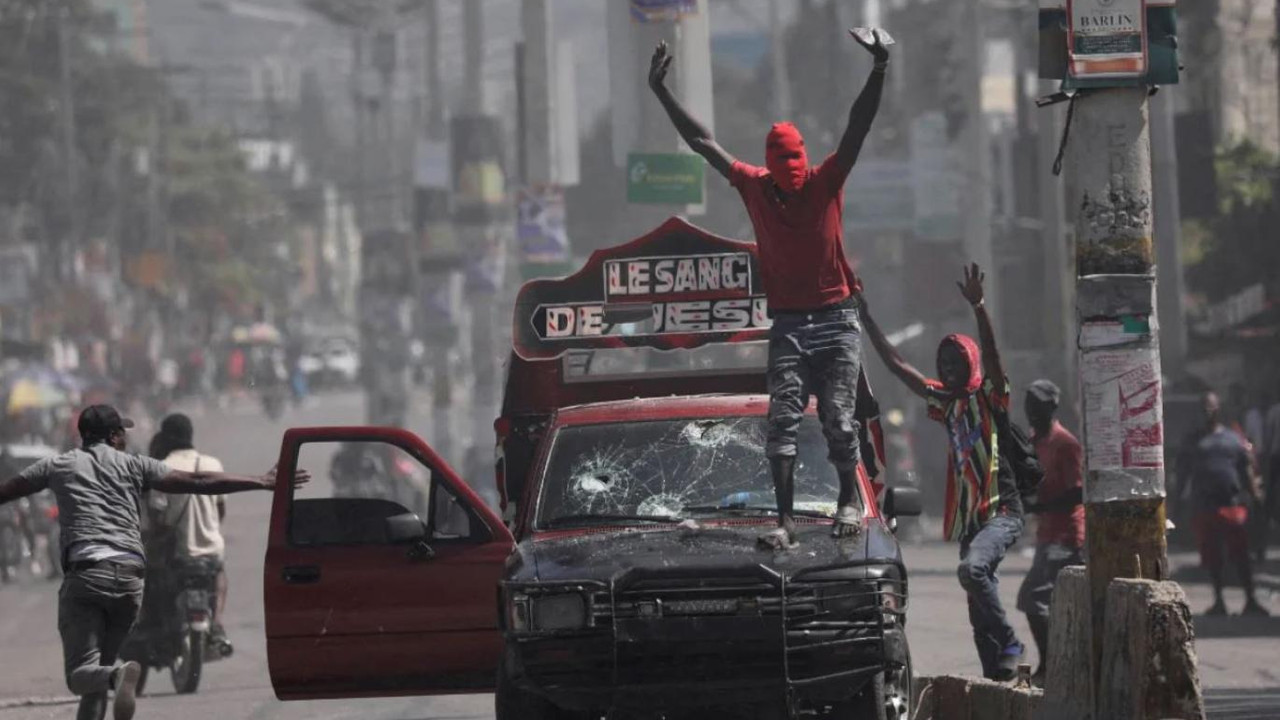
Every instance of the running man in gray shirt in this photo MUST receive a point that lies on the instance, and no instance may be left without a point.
(99, 490)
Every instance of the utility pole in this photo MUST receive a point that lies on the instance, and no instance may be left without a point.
(358, 107)
(444, 283)
(1119, 343)
(976, 189)
(1168, 226)
(71, 242)
(484, 239)
(778, 63)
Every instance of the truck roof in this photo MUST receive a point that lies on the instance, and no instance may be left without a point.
(664, 408)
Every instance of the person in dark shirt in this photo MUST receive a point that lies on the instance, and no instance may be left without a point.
(1218, 475)
(1059, 505)
(984, 509)
(814, 344)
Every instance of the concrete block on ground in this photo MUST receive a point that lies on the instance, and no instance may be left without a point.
(1068, 684)
(951, 698)
(1148, 658)
(922, 705)
(961, 698)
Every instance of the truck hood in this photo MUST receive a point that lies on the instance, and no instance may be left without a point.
(603, 554)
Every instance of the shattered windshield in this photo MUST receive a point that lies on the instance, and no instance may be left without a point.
(678, 468)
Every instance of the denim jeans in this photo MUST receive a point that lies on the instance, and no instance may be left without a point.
(1036, 593)
(980, 556)
(815, 354)
(96, 609)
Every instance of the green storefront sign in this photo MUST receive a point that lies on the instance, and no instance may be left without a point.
(664, 179)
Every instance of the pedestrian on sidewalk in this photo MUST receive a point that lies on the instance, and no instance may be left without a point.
(1059, 507)
(983, 505)
(815, 340)
(1219, 475)
(1269, 454)
(99, 490)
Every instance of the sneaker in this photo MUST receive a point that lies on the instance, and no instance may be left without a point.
(1007, 667)
(1253, 608)
(126, 682)
(1219, 609)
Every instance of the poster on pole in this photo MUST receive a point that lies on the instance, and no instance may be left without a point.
(1107, 38)
(540, 225)
(1123, 405)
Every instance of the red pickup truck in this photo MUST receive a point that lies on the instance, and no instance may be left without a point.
(627, 582)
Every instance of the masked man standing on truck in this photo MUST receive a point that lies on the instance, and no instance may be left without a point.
(99, 491)
(814, 345)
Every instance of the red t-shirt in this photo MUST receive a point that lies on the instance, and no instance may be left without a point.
(801, 243)
(1063, 460)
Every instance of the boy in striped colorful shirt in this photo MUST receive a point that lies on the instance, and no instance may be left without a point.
(983, 510)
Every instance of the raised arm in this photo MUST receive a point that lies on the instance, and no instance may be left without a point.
(864, 109)
(203, 482)
(694, 133)
(971, 288)
(911, 377)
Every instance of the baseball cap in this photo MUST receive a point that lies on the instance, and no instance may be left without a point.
(1045, 391)
(99, 421)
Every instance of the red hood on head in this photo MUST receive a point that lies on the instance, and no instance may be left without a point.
(973, 356)
(786, 157)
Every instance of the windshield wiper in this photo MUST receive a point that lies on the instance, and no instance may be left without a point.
(586, 518)
(740, 509)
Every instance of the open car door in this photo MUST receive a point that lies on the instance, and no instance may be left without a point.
(381, 575)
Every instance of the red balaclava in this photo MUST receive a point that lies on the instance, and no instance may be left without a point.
(785, 156)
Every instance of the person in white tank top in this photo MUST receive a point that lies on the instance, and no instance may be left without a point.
(195, 521)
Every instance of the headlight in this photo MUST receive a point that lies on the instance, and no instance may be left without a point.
(891, 597)
(566, 611)
(518, 613)
(547, 613)
(843, 598)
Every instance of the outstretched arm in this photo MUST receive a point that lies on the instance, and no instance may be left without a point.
(19, 487)
(911, 377)
(694, 133)
(220, 483)
(864, 109)
(971, 288)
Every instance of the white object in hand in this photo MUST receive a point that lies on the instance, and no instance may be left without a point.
(869, 35)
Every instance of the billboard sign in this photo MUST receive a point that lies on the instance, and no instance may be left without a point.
(1107, 38)
(647, 11)
(664, 178)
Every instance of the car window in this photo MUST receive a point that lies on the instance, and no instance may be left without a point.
(356, 487)
(665, 467)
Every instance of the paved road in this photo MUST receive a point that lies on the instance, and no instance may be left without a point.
(1240, 662)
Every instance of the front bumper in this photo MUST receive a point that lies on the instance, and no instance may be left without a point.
(778, 646)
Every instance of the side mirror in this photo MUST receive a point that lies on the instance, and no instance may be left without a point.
(902, 502)
(405, 529)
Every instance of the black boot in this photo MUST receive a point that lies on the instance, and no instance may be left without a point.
(1040, 631)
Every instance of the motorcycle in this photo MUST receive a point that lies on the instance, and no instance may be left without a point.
(175, 627)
